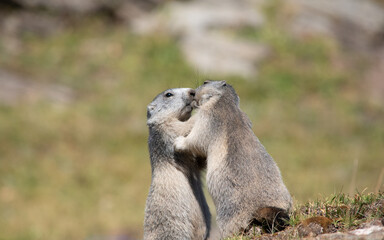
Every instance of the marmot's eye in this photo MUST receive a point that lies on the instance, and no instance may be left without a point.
(169, 95)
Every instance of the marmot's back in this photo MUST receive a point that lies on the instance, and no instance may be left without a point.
(250, 163)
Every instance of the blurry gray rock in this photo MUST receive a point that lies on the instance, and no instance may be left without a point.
(84, 6)
(356, 24)
(210, 53)
(14, 25)
(18, 23)
(63, 5)
(202, 28)
(197, 17)
(371, 233)
(358, 27)
(14, 90)
(124, 10)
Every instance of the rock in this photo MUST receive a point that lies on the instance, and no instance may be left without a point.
(24, 22)
(202, 26)
(314, 226)
(59, 5)
(82, 7)
(14, 25)
(202, 30)
(217, 54)
(14, 90)
(198, 17)
(345, 20)
(367, 231)
(371, 233)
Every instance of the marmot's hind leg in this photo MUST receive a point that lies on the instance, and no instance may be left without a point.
(271, 219)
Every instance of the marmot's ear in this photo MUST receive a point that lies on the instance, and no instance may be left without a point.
(223, 83)
(207, 81)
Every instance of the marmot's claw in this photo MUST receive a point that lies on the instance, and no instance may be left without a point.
(194, 104)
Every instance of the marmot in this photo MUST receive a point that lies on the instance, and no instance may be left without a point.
(242, 178)
(176, 207)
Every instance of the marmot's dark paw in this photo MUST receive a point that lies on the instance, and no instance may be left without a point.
(271, 219)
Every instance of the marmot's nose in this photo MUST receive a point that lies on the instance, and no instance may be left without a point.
(192, 92)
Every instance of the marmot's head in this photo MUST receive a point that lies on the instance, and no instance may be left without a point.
(172, 103)
(211, 91)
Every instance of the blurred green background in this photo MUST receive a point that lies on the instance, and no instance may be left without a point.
(74, 162)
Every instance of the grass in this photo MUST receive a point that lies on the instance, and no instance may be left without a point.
(346, 213)
(81, 170)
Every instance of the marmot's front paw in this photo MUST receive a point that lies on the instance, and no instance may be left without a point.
(179, 144)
